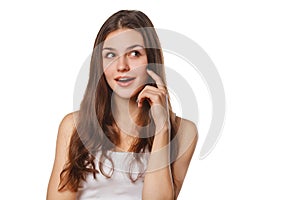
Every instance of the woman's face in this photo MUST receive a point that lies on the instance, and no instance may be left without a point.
(125, 61)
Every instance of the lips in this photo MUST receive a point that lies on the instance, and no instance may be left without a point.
(124, 80)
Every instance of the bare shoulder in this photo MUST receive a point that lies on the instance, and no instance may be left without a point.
(65, 132)
(187, 135)
(69, 120)
(67, 124)
(187, 125)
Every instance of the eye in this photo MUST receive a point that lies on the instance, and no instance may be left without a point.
(110, 55)
(134, 53)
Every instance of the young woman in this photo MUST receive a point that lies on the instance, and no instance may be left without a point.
(124, 142)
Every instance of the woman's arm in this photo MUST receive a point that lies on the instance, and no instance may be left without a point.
(158, 182)
(61, 156)
(187, 139)
(162, 183)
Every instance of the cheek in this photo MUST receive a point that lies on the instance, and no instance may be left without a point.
(108, 69)
(142, 73)
(108, 75)
(108, 66)
(138, 63)
(139, 66)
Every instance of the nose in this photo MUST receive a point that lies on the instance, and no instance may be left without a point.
(122, 64)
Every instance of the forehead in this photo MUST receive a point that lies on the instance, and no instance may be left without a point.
(123, 38)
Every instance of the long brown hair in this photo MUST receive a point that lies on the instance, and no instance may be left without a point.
(96, 128)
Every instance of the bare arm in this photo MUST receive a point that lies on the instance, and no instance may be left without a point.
(158, 183)
(161, 182)
(61, 156)
(187, 137)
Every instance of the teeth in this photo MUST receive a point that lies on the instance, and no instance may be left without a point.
(125, 79)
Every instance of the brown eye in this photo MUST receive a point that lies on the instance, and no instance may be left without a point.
(134, 54)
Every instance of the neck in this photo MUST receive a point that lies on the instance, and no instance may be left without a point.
(124, 112)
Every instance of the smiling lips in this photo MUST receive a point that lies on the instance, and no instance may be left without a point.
(124, 81)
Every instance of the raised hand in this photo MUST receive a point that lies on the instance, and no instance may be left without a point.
(158, 100)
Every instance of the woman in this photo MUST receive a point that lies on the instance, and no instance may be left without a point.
(124, 142)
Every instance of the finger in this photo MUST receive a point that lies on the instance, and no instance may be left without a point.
(150, 95)
(158, 94)
(160, 84)
(155, 89)
(152, 89)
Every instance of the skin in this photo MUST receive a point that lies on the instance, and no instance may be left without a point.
(124, 55)
(120, 58)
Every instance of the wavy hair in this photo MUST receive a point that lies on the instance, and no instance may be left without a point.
(96, 128)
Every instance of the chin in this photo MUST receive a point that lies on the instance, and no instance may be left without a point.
(125, 94)
(128, 93)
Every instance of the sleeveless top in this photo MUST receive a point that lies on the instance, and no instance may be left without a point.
(118, 186)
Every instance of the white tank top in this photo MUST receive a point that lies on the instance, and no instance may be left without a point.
(119, 186)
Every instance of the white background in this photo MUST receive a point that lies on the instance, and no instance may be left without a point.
(255, 46)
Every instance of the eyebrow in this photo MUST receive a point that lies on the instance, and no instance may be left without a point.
(127, 49)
